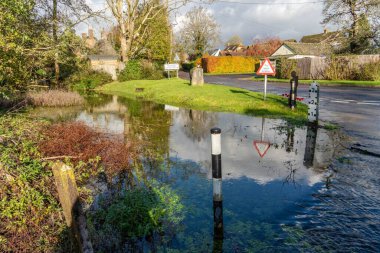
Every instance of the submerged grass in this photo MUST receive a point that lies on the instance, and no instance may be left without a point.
(178, 92)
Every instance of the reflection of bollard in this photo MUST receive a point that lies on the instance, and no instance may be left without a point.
(313, 111)
(216, 158)
(311, 140)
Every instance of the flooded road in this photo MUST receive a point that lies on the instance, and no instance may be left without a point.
(285, 188)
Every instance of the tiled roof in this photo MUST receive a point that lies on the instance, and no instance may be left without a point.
(326, 37)
(317, 49)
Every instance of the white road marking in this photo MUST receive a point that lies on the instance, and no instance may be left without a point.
(368, 103)
(341, 101)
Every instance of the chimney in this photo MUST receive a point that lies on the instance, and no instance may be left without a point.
(84, 36)
(91, 33)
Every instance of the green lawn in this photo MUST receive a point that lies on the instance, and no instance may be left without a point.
(326, 82)
(209, 97)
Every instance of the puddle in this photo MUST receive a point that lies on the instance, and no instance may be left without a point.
(270, 171)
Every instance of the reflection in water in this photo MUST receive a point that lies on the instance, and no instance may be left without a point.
(311, 140)
(259, 193)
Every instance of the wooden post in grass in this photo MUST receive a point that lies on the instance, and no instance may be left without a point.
(68, 197)
(67, 189)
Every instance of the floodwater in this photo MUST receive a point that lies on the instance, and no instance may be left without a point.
(284, 188)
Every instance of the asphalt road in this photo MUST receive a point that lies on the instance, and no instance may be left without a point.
(355, 109)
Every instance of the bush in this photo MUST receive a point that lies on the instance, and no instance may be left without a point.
(54, 98)
(89, 80)
(140, 69)
(284, 68)
(369, 72)
(187, 66)
(229, 64)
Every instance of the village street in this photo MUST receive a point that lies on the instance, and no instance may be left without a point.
(355, 109)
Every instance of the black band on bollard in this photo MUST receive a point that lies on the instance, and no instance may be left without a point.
(216, 166)
(215, 130)
(218, 219)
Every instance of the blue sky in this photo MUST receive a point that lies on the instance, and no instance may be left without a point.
(280, 18)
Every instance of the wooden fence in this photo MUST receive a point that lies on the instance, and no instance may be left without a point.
(315, 68)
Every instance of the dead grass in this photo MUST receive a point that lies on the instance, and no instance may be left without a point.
(54, 98)
(82, 144)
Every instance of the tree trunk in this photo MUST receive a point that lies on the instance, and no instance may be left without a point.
(55, 39)
(123, 44)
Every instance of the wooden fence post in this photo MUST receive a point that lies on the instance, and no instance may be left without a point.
(69, 199)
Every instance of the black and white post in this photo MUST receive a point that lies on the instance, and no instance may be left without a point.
(293, 90)
(313, 111)
(216, 158)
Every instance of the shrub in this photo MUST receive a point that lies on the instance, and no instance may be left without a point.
(30, 216)
(229, 64)
(81, 143)
(339, 68)
(187, 66)
(369, 72)
(140, 69)
(88, 80)
(132, 71)
(284, 68)
(54, 98)
(142, 211)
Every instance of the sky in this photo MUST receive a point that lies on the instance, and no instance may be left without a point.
(249, 19)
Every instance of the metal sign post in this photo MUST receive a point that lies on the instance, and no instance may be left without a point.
(171, 67)
(265, 86)
(261, 146)
(266, 69)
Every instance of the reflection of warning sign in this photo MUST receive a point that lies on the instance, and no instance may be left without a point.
(261, 147)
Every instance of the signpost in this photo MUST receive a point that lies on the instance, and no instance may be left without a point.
(171, 67)
(266, 69)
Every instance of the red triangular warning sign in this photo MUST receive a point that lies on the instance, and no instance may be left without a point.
(266, 68)
(261, 147)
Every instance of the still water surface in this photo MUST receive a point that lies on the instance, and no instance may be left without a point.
(274, 199)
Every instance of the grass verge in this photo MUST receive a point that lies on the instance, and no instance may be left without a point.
(353, 83)
(209, 97)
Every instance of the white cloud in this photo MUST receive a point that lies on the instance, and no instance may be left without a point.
(287, 21)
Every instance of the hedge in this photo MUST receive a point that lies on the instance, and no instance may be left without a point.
(229, 64)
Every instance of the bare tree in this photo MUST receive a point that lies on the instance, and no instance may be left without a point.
(200, 31)
(235, 40)
(360, 18)
(132, 17)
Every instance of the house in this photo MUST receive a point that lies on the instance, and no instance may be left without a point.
(295, 50)
(215, 52)
(106, 59)
(234, 50)
(333, 38)
(89, 40)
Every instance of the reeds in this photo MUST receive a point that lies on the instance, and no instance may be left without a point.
(54, 98)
